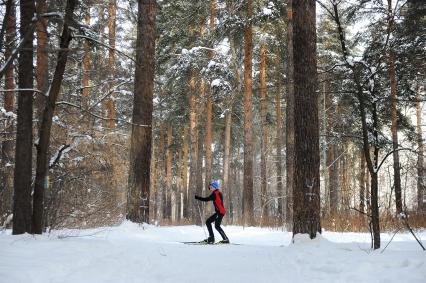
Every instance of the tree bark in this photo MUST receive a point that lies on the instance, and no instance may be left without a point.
(279, 137)
(289, 120)
(264, 132)
(86, 67)
(42, 71)
(208, 140)
(24, 137)
(332, 163)
(248, 135)
(42, 166)
(185, 172)
(171, 205)
(421, 188)
(200, 189)
(306, 192)
(140, 150)
(7, 158)
(362, 184)
(112, 11)
(192, 211)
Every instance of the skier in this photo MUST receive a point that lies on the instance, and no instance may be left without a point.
(216, 197)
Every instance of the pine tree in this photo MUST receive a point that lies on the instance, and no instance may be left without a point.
(140, 151)
(306, 193)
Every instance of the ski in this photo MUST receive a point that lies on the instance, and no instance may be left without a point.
(205, 243)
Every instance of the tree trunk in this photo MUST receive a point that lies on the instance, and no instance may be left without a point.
(200, 189)
(9, 101)
(24, 137)
(372, 167)
(421, 188)
(208, 140)
(362, 184)
(290, 120)
(42, 166)
(42, 70)
(170, 191)
(140, 150)
(306, 192)
(185, 172)
(192, 210)
(248, 135)
(112, 11)
(394, 129)
(279, 137)
(264, 132)
(179, 191)
(86, 67)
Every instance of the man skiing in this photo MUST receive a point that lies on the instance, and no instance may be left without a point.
(217, 198)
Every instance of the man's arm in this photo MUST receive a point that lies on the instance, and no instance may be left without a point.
(211, 197)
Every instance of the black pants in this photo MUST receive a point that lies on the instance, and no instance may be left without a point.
(217, 219)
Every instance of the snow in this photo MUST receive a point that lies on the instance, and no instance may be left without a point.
(135, 253)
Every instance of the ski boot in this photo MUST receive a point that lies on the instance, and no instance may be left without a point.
(209, 240)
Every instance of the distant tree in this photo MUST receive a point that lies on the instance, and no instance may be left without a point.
(140, 151)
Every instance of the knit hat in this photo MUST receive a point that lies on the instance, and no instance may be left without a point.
(214, 184)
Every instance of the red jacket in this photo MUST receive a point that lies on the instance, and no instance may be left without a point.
(217, 198)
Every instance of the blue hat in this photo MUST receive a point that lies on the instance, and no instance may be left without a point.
(214, 184)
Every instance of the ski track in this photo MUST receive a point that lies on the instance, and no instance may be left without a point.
(135, 253)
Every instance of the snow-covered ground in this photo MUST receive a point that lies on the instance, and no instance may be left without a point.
(134, 253)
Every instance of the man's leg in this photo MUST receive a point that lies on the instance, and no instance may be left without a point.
(209, 222)
(218, 228)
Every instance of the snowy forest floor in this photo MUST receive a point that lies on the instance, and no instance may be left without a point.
(135, 253)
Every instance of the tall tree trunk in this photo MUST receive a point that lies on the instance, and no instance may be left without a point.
(362, 184)
(208, 140)
(42, 71)
(421, 188)
(9, 100)
(228, 123)
(332, 163)
(200, 189)
(86, 66)
(161, 174)
(290, 119)
(172, 196)
(279, 137)
(24, 136)
(140, 149)
(394, 117)
(42, 166)
(185, 172)
(264, 132)
(112, 11)
(370, 165)
(179, 191)
(248, 135)
(306, 192)
(192, 210)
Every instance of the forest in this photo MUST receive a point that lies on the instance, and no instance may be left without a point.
(308, 115)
